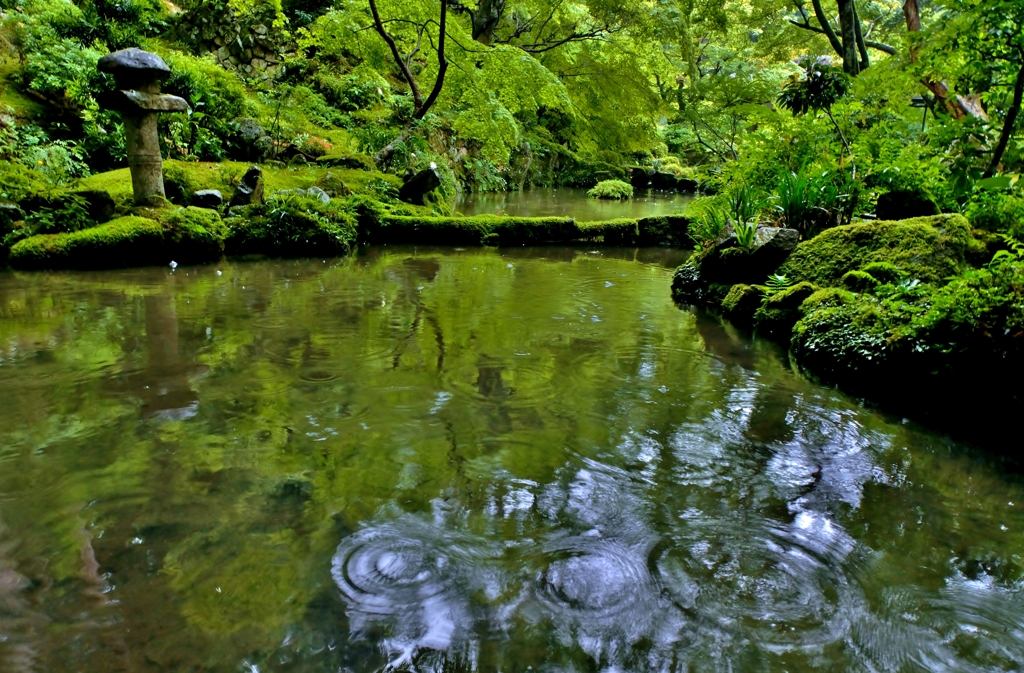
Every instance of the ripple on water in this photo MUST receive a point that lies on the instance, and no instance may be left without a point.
(414, 578)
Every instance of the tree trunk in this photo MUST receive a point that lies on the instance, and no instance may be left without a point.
(421, 107)
(1008, 124)
(958, 106)
(848, 34)
(486, 19)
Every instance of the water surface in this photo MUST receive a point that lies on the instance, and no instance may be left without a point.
(469, 460)
(568, 202)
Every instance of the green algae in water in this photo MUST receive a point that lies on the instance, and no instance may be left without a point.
(467, 460)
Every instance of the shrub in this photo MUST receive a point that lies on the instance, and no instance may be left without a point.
(1000, 211)
(612, 189)
(292, 226)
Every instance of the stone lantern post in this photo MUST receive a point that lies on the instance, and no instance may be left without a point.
(138, 75)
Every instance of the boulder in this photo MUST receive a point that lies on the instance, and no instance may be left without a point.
(208, 198)
(904, 205)
(250, 189)
(687, 186)
(640, 178)
(664, 182)
(252, 140)
(9, 214)
(421, 184)
(726, 263)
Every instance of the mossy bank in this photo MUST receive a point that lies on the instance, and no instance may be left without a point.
(898, 312)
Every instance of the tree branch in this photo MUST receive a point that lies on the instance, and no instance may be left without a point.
(826, 27)
(1008, 123)
(442, 63)
(406, 72)
(870, 44)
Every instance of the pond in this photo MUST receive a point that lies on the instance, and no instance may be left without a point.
(468, 460)
(568, 202)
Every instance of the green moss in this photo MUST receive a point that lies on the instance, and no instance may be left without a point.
(740, 304)
(611, 232)
(293, 226)
(779, 312)
(612, 189)
(188, 235)
(859, 281)
(201, 229)
(109, 245)
(354, 160)
(926, 248)
(472, 230)
(667, 230)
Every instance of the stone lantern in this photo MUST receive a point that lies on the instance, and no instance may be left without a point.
(138, 75)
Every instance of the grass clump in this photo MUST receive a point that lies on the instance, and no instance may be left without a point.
(616, 190)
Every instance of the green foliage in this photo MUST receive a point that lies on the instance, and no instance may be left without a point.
(293, 226)
(821, 86)
(18, 181)
(611, 189)
(811, 204)
(998, 211)
(778, 282)
(67, 213)
(745, 233)
(709, 224)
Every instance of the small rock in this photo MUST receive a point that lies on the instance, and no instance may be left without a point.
(250, 189)
(208, 198)
(319, 194)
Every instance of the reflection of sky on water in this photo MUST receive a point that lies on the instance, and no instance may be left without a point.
(749, 570)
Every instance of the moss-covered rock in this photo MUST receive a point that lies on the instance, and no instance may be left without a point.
(779, 312)
(668, 230)
(198, 232)
(347, 160)
(928, 249)
(741, 303)
(125, 241)
(292, 226)
(923, 339)
(611, 232)
(472, 230)
(728, 263)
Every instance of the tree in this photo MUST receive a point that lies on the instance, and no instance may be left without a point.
(420, 106)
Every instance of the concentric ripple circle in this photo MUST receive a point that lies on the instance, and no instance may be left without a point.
(594, 576)
(379, 571)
